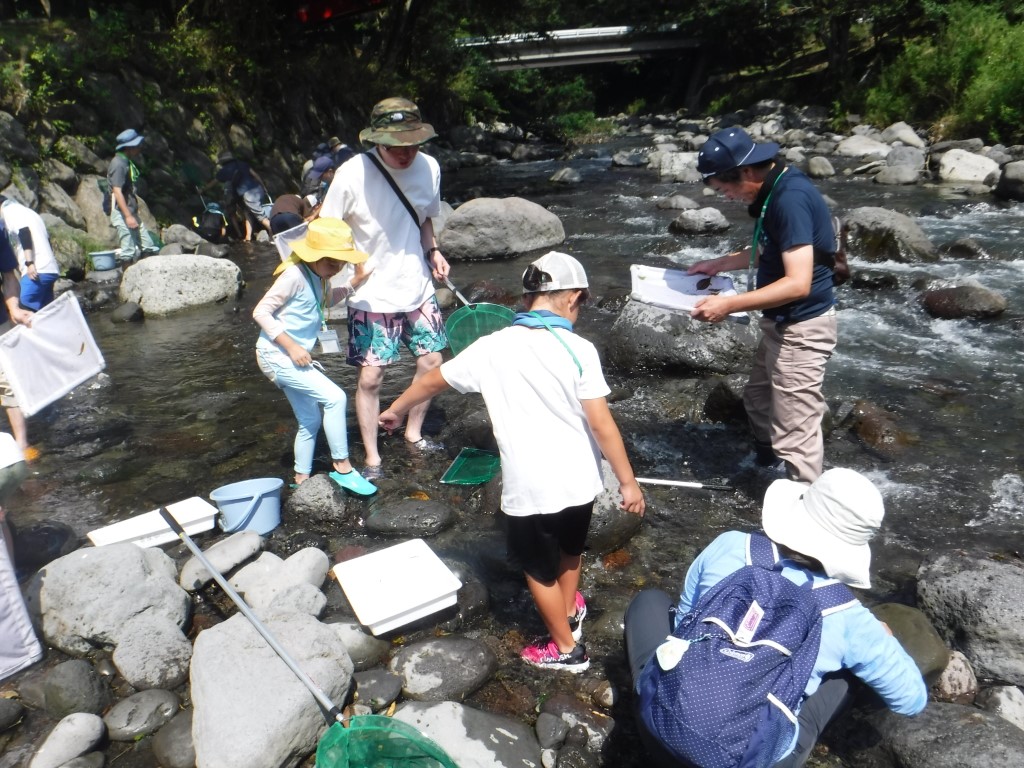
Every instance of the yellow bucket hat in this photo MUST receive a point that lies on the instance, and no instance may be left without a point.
(325, 239)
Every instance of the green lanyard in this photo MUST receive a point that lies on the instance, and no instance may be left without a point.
(133, 171)
(323, 293)
(757, 231)
(560, 340)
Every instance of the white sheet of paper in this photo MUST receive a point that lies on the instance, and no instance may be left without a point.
(674, 289)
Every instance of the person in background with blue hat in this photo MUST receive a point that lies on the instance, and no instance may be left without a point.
(793, 252)
(317, 179)
(122, 173)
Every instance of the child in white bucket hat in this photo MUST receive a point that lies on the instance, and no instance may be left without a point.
(822, 533)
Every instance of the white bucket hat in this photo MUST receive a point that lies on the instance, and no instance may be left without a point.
(832, 520)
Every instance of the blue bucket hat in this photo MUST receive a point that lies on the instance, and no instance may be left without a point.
(732, 148)
(321, 166)
(129, 138)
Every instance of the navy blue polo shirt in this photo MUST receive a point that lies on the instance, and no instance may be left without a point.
(797, 215)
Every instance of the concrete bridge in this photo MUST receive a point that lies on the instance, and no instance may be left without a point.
(568, 47)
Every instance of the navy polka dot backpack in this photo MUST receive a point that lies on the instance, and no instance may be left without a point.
(724, 689)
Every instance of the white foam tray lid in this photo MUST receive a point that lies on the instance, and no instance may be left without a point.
(195, 515)
(397, 585)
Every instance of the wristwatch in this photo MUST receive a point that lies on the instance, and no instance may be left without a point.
(431, 250)
(29, 263)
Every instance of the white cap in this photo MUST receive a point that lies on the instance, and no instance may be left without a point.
(554, 271)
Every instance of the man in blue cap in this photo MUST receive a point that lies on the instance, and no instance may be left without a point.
(793, 252)
(122, 173)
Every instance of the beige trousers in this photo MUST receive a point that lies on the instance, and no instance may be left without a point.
(783, 396)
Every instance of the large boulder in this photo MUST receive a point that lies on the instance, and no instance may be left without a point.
(960, 301)
(162, 285)
(904, 134)
(897, 175)
(975, 605)
(878, 234)
(66, 242)
(81, 157)
(58, 202)
(703, 221)
(645, 336)
(862, 147)
(85, 600)
(249, 708)
(443, 668)
(674, 166)
(1011, 181)
(14, 143)
(949, 736)
(471, 738)
(957, 165)
(499, 228)
(275, 587)
(611, 527)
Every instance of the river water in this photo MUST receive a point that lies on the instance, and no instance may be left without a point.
(182, 407)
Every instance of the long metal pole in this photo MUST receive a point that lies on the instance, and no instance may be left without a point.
(325, 703)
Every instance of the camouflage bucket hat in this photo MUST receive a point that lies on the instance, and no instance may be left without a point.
(396, 122)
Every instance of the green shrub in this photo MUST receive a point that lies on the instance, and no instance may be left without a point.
(967, 80)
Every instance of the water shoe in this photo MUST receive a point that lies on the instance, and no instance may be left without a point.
(354, 482)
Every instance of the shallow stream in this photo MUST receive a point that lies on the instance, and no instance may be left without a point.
(182, 408)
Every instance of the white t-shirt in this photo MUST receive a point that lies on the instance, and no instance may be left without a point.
(383, 228)
(532, 388)
(18, 217)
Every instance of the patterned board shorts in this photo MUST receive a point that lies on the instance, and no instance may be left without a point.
(373, 337)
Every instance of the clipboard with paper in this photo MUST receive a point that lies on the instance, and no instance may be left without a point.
(676, 290)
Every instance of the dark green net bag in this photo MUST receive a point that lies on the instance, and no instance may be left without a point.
(376, 741)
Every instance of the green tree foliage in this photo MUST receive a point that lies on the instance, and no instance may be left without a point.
(967, 79)
(951, 63)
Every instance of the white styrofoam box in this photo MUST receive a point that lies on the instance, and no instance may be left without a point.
(149, 529)
(674, 289)
(397, 585)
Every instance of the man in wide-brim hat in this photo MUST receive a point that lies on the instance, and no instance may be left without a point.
(388, 196)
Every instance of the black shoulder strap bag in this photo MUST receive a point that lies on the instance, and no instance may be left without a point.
(394, 185)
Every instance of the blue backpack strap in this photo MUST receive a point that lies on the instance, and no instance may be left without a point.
(833, 596)
(761, 551)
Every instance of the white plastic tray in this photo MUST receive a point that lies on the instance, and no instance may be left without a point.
(149, 529)
(674, 289)
(395, 586)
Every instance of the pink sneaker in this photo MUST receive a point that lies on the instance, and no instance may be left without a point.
(545, 654)
(576, 620)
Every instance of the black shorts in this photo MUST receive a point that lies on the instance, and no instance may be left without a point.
(536, 543)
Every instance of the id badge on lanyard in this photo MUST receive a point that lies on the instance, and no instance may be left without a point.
(328, 338)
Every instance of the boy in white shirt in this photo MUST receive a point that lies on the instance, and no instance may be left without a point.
(545, 394)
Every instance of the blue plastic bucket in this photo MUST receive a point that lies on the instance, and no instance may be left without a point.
(103, 260)
(251, 505)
